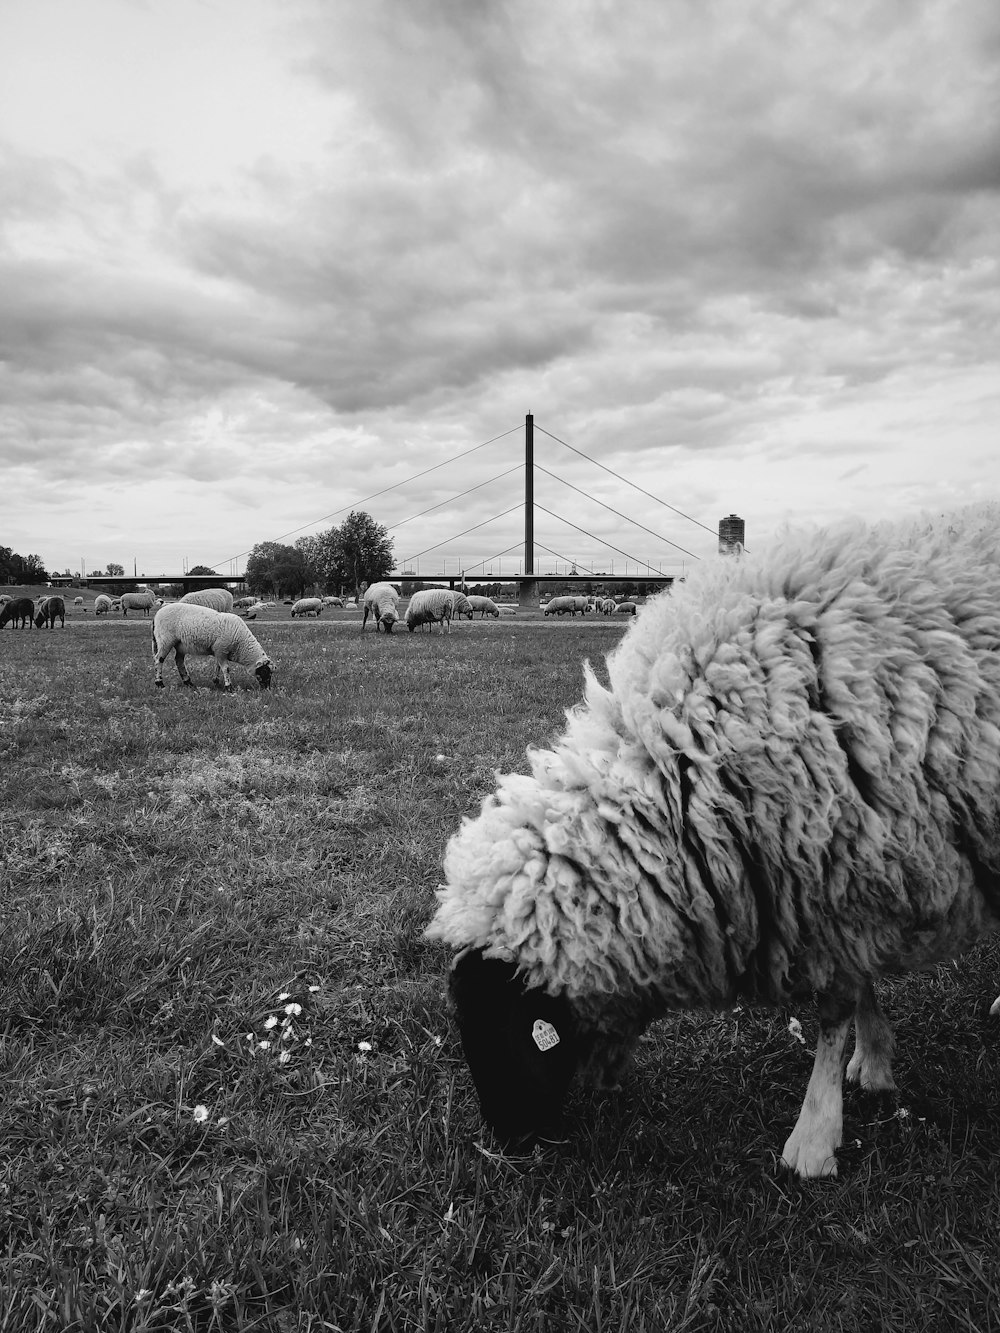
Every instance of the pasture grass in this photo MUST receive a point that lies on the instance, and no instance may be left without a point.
(232, 1096)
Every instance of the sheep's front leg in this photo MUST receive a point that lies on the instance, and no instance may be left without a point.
(181, 668)
(813, 1143)
(222, 672)
(871, 1063)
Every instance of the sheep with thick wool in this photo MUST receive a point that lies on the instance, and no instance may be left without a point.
(102, 604)
(218, 599)
(188, 629)
(138, 601)
(380, 602)
(486, 606)
(436, 606)
(791, 786)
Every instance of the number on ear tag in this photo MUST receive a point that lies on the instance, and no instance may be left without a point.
(544, 1035)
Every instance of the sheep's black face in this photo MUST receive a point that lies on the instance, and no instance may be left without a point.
(522, 1046)
(263, 674)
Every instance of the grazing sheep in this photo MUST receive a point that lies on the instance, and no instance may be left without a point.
(792, 785)
(47, 610)
(102, 604)
(217, 599)
(334, 601)
(380, 601)
(307, 606)
(435, 606)
(625, 609)
(78, 601)
(19, 610)
(486, 606)
(558, 606)
(138, 601)
(189, 628)
(239, 604)
(605, 605)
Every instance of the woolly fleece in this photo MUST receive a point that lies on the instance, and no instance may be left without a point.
(792, 784)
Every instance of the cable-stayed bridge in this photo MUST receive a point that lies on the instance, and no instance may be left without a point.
(529, 554)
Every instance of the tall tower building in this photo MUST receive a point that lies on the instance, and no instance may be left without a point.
(731, 532)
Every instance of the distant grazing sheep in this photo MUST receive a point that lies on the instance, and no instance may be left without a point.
(435, 606)
(218, 599)
(184, 629)
(333, 601)
(560, 606)
(625, 609)
(18, 611)
(48, 609)
(78, 601)
(790, 786)
(307, 606)
(485, 606)
(380, 602)
(138, 601)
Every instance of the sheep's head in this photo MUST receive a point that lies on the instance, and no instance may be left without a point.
(522, 1045)
(263, 673)
(389, 619)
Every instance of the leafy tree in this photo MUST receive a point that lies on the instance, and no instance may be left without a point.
(198, 569)
(363, 550)
(16, 568)
(276, 569)
(115, 569)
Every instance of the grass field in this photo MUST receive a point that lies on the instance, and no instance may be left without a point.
(232, 1097)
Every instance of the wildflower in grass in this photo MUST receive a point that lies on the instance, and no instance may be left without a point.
(364, 1047)
(293, 1010)
(284, 1057)
(200, 1114)
(143, 1294)
(795, 1028)
(271, 1022)
(285, 995)
(263, 1046)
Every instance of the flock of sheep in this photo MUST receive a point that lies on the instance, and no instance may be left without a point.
(790, 787)
(208, 623)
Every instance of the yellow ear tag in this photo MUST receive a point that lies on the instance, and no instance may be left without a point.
(544, 1035)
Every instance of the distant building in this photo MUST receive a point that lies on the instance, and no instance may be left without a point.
(731, 533)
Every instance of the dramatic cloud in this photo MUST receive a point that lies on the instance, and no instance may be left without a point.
(262, 261)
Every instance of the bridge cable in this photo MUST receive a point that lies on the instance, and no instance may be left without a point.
(627, 482)
(455, 535)
(500, 475)
(384, 491)
(659, 536)
(627, 554)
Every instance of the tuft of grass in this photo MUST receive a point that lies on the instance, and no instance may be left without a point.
(231, 1094)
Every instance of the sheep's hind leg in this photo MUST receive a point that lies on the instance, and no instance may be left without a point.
(182, 669)
(871, 1063)
(812, 1145)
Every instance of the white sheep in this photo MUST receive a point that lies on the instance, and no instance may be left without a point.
(486, 606)
(380, 602)
(435, 606)
(625, 609)
(187, 628)
(307, 606)
(334, 601)
(791, 785)
(78, 601)
(138, 601)
(218, 599)
(559, 606)
(102, 604)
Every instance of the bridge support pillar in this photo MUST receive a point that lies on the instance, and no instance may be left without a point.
(527, 595)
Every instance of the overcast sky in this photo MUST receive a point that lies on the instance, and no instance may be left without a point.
(260, 259)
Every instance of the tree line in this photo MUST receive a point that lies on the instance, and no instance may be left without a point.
(16, 568)
(340, 560)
